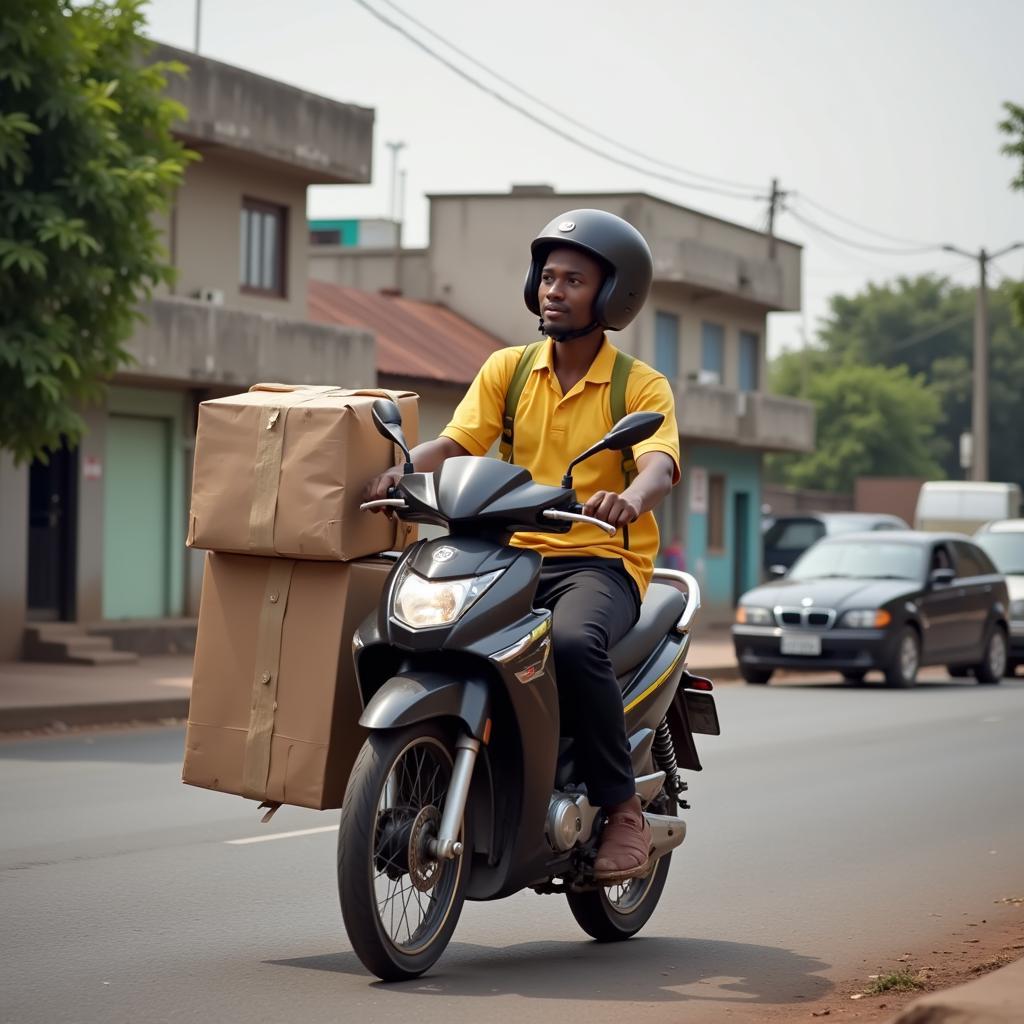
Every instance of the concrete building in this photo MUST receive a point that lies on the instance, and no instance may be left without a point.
(703, 326)
(95, 540)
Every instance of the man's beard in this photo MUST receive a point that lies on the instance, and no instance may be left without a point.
(563, 333)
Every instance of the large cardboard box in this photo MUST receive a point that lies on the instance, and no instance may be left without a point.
(275, 706)
(281, 469)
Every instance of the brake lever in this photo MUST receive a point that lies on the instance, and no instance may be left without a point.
(576, 517)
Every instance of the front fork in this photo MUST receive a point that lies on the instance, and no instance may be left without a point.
(447, 846)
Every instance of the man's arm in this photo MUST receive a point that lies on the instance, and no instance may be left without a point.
(426, 458)
(656, 471)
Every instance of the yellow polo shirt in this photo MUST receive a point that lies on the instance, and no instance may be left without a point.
(552, 428)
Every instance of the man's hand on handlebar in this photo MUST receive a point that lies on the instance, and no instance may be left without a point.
(379, 486)
(616, 509)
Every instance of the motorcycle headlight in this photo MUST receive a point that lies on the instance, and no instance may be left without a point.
(751, 616)
(866, 618)
(1017, 609)
(422, 603)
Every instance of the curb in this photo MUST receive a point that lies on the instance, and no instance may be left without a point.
(22, 719)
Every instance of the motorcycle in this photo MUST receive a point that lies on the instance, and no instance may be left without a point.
(464, 788)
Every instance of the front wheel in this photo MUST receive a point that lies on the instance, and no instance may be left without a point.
(758, 676)
(400, 904)
(901, 672)
(616, 912)
(993, 665)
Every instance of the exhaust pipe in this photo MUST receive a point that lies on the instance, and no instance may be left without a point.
(666, 833)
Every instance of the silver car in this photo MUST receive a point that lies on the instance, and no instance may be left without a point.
(1003, 542)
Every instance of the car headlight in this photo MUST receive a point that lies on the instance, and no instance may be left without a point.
(746, 615)
(1017, 609)
(866, 618)
(422, 603)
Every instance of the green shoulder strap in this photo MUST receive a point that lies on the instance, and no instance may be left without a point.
(512, 396)
(617, 399)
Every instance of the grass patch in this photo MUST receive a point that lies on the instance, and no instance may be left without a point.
(902, 980)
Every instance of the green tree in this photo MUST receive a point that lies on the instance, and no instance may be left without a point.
(87, 162)
(926, 324)
(872, 420)
(1013, 127)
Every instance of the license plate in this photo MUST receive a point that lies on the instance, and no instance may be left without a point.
(803, 645)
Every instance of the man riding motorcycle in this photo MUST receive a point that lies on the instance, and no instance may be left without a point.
(590, 272)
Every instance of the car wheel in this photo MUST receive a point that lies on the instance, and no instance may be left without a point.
(854, 678)
(755, 675)
(901, 671)
(993, 666)
(958, 671)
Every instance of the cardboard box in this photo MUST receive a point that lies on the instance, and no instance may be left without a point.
(280, 471)
(275, 706)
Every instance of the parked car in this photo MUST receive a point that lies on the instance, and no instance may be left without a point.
(964, 505)
(892, 601)
(790, 536)
(1003, 542)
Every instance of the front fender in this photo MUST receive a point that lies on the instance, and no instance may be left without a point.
(418, 696)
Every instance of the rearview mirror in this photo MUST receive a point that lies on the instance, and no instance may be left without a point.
(630, 430)
(776, 571)
(387, 418)
(941, 577)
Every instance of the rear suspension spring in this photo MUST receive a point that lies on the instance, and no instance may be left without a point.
(665, 760)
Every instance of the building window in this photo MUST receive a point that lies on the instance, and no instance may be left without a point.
(712, 351)
(716, 513)
(666, 344)
(263, 234)
(750, 361)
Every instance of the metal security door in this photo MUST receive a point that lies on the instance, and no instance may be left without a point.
(135, 518)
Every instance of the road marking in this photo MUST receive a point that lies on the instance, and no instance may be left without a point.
(281, 835)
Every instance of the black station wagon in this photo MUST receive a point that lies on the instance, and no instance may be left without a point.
(892, 601)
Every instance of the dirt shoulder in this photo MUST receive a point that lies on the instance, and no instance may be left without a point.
(976, 946)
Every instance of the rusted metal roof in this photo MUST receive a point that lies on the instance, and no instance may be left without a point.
(420, 340)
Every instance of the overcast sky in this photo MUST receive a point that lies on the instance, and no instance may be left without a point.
(883, 111)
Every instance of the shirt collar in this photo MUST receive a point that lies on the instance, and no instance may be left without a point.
(600, 371)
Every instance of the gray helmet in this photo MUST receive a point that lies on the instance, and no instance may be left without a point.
(617, 245)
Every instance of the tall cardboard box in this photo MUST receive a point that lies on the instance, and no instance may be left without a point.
(280, 470)
(275, 706)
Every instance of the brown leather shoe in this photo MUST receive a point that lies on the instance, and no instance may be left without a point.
(625, 845)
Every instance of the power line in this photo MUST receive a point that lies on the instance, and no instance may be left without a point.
(860, 227)
(580, 143)
(885, 250)
(714, 179)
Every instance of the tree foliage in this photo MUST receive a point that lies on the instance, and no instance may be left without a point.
(1013, 127)
(87, 161)
(921, 330)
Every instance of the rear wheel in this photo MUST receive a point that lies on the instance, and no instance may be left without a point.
(901, 672)
(619, 911)
(400, 904)
(993, 666)
(755, 675)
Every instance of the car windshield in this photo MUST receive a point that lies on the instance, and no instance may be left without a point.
(1005, 549)
(793, 534)
(861, 560)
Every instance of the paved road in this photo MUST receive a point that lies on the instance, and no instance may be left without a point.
(831, 825)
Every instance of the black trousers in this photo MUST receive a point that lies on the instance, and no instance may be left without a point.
(594, 603)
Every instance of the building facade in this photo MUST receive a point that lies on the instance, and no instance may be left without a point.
(703, 326)
(95, 539)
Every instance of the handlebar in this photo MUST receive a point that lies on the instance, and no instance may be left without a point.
(576, 517)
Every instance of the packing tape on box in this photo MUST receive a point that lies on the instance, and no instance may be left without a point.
(256, 769)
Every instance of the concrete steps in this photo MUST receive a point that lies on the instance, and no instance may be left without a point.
(67, 643)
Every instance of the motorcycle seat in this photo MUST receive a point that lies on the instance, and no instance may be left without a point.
(660, 611)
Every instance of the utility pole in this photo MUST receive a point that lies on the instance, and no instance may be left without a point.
(396, 148)
(199, 18)
(979, 389)
(399, 220)
(774, 200)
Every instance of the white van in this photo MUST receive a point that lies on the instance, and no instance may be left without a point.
(962, 506)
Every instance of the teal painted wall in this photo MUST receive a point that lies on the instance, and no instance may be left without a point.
(349, 229)
(714, 570)
(131, 519)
